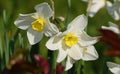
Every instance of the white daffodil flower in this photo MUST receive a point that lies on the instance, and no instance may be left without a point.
(74, 43)
(113, 67)
(37, 23)
(114, 9)
(94, 6)
(113, 27)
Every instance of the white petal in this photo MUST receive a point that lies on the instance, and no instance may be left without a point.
(24, 21)
(85, 0)
(34, 36)
(50, 29)
(95, 7)
(113, 67)
(54, 42)
(78, 24)
(116, 15)
(113, 27)
(113, 9)
(44, 10)
(86, 40)
(69, 63)
(109, 4)
(62, 55)
(110, 9)
(89, 53)
(75, 52)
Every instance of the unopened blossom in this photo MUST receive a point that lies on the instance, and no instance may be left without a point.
(74, 43)
(113, 67)
(114, 9)
(37, 23)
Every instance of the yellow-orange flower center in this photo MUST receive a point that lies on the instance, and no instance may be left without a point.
(70, 39)
(38, 24)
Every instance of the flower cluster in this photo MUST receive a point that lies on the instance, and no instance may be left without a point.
(95, 5)
(111, 34)
(73, 44)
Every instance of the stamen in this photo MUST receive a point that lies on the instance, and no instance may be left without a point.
(38, 24)
(70, 39)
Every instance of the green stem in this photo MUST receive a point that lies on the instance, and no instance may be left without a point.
(54, 57)
(12, 42)
(82, 67)
(43, 51)
(68, 13)
(78, 67)
(5, 38)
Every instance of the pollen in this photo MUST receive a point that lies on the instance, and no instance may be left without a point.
(38, 24)
(85, 50)
(70, 39)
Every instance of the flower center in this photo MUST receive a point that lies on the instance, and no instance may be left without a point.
(70, 39)
(38, 24)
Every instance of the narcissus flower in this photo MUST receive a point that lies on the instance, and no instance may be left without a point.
(74, 43)
(113, 67)
(94, 6)
(37, 23)
(114, 9)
